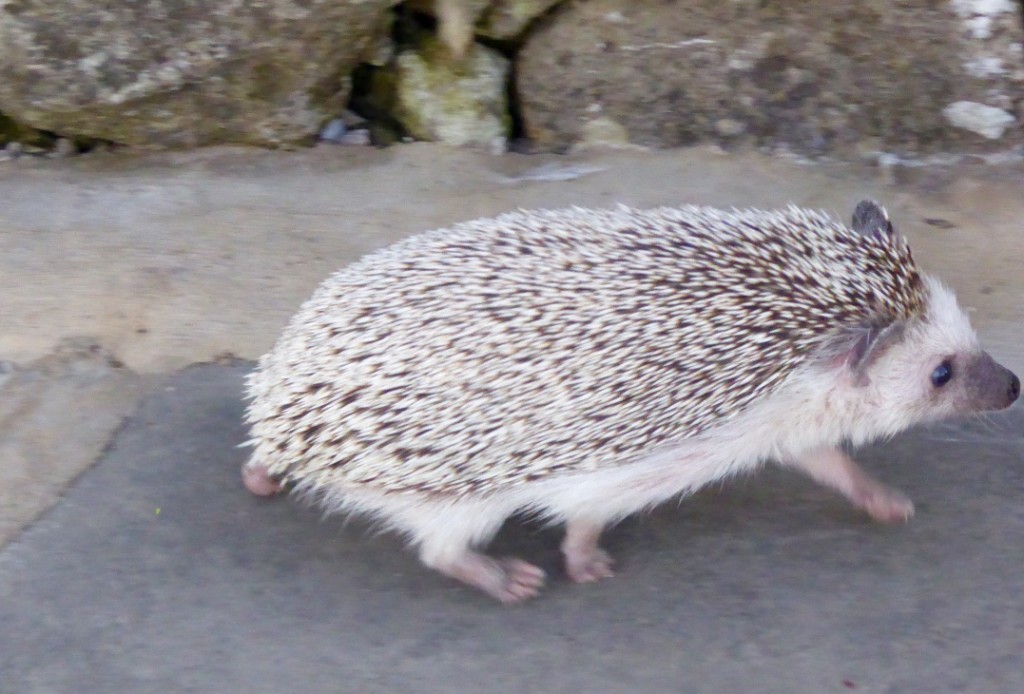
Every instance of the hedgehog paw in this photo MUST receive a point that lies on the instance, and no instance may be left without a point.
(585, 561)
(258, 481)
(522, 580)
(589, 567)
(508, 579)
(884, 504)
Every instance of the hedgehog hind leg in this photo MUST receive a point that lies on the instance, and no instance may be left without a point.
(585, 561)
(257, 479)
(447, 537)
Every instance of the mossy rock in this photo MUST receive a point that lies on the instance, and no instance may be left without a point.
(462, 102)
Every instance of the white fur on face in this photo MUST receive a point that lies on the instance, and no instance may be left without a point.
(900, 391)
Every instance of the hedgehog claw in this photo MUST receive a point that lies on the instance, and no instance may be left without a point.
(522, 580)
(585, 561)
(590, 567)
(884, 504)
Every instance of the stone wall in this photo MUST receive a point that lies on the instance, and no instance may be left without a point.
(914, 78)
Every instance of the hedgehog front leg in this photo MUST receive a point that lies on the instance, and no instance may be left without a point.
(585, 561)
(832, 468)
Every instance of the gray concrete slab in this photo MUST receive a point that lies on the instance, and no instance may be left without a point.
(47, 436)
(159, 573)
(164, 259)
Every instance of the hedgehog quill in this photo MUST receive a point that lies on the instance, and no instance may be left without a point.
(584, 365)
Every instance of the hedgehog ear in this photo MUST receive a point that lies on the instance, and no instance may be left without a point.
(859, 349)
(871, 219)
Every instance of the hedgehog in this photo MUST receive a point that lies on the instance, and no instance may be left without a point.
(581, 365)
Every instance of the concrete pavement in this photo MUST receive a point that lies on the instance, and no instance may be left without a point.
(157, 572)
(118, 269)
(154, 571)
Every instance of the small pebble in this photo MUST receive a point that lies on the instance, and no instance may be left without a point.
(334, 131)
(887, 166)
(359, 137)
(728, 127)
(498, 146)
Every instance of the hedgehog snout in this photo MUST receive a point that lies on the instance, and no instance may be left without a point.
(990, 385)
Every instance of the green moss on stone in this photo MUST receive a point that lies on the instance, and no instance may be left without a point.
(461, 103)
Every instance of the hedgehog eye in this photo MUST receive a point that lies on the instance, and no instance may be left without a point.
(942, 373)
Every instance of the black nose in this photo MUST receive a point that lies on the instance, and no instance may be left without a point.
(1014, 387)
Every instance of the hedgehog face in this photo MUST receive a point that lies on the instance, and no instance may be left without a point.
(935, 368)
